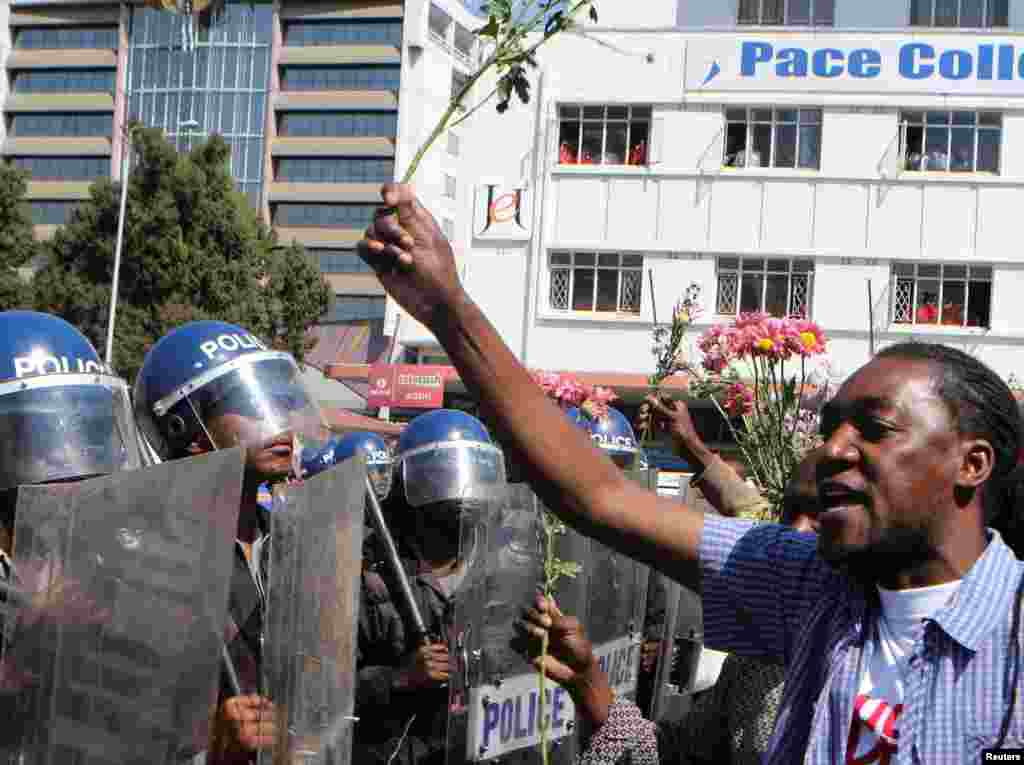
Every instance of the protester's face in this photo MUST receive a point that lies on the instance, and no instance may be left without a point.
(888, 468)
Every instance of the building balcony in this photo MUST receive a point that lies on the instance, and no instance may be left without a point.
(368, 193)
(332, 100)
(340, 54)
(57, 146)
(62, 59)
(59, 102)
(301, 146)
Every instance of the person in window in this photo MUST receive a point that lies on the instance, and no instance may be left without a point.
(929, 312)
(638, 154)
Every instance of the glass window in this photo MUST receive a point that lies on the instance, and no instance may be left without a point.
(787, 12)
(609, 283)
(975, 14)
(59, 124)
(92, 37)
(341, 77)
(382, 124)
(335, 169)
(63, 81)
(63, 168)
(958, 142)
(957, 295)
(758, 137)
(47, 212)
(438, 22)
(348, 308)
(780, 286)
(328, 215)
(614, 135)
(350, 32)
(339, 262)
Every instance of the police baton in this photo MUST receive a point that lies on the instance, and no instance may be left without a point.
(419, 627)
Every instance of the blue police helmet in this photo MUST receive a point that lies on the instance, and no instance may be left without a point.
(207, 368)
(378, 458)
(63, 415)
(447, 455)
(613, 434)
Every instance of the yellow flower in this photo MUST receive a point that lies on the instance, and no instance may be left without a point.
(810, 340)
(766, 344)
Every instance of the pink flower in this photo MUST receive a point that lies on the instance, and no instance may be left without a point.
(811, 339)
(738, 400)
(717, 346)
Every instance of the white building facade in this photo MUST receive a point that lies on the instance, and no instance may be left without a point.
(860, 162)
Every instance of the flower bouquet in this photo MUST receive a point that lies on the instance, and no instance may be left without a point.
(767, 406)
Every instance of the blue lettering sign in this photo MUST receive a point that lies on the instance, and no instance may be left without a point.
(986, 61)
(521, 732)
(956, 65)
(910, 67)
(828, 62)
(754, 53)
(865, 63)
(791, 62)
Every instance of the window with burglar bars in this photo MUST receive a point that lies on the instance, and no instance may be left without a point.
(958, 142)
(604, 135)
(948, 294)
(819, 13)
(960, 13)
(778, 286)
(605, 282)
(764, 137)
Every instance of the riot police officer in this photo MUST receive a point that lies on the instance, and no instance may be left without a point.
(211, 385)
(448, 472)
(377, 455)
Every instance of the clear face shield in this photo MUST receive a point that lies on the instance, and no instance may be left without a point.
(454, 471)
(64, 427)
(251, 401)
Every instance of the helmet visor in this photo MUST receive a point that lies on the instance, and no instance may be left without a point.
(454, 470)
(61, 427)
(255, 398)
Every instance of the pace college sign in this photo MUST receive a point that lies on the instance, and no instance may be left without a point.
(954, 64)
(501, 212)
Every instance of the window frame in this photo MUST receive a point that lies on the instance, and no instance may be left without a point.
(895, 277)
(636, 115)
(71, 37)
(380, 77)
(775, 124)
(60, 167)
(341, 32)
(987, 15)
(334, 169)
(786, 6)
(307, 219)
(343, 256)
(764, 272)
(379, 302)
(950, 126)
(570, 287)
(339, 119)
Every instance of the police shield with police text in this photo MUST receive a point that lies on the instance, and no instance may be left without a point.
(497, 711)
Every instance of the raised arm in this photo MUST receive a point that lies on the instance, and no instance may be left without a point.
(416, 266)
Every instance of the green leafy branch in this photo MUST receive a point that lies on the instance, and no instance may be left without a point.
(554, 569)
(511, 57)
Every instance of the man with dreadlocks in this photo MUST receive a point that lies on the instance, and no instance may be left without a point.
(899, 627)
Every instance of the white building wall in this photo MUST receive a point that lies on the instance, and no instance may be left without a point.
(854, 217)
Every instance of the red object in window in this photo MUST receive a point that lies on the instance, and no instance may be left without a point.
(928, 314)
(953, 314)
(566, 156)
(586, 158)
(638, 154)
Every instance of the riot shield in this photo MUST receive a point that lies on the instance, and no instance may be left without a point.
(495, 710)
(315, 550)
(681, 643)
(118, 600)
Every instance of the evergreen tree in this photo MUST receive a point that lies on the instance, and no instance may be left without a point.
(17, 246)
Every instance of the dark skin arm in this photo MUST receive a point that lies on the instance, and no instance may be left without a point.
(582, 486)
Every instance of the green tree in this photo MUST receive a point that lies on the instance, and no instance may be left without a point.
(17, 246)
(193, 249)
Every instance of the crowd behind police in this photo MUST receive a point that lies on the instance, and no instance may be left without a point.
(897, 629)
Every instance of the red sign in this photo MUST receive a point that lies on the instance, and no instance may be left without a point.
(407, 386)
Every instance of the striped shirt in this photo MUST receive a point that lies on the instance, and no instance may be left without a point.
(767, 594)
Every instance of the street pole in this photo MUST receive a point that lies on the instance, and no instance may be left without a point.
(117, 248)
